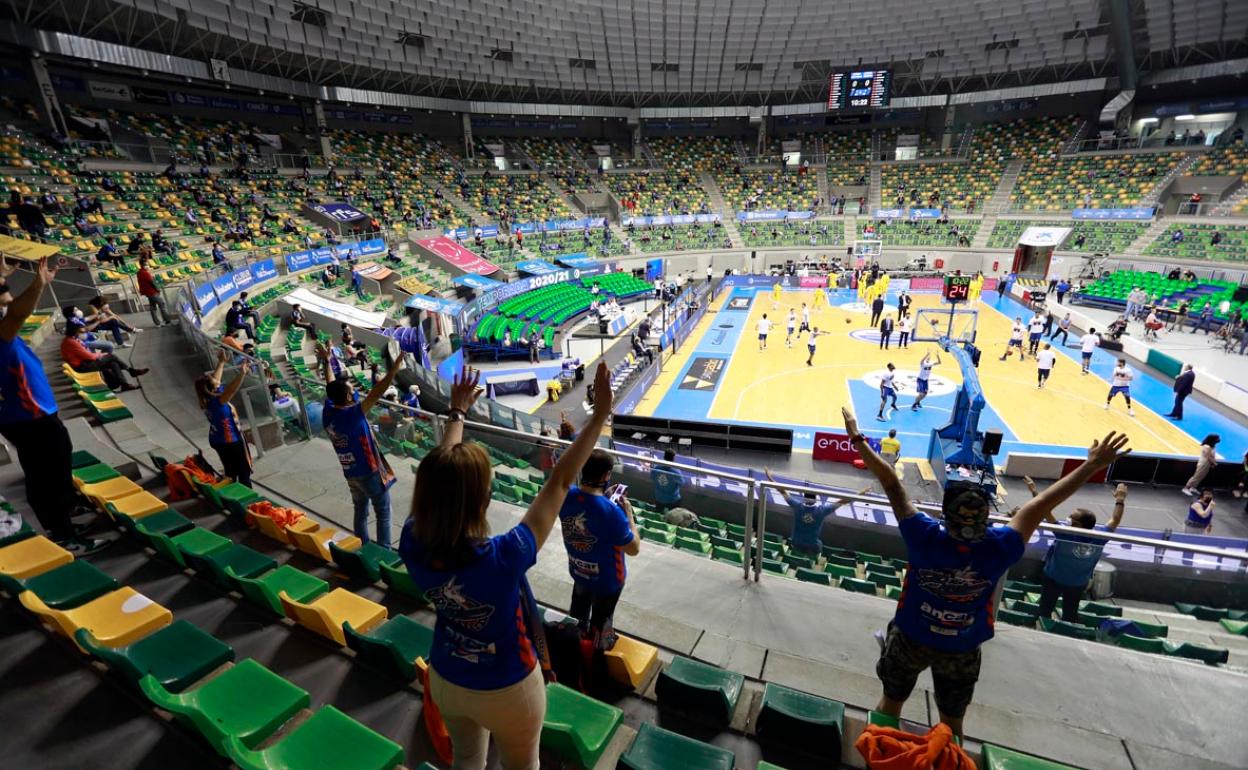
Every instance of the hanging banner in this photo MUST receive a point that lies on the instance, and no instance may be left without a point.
(457, 256)
(1044, 236)
(1137, 212)
(434, 304)
(536, 267)
(478, 282)
(263, 270)
(771, 215)
(205, 297)
(916, 214)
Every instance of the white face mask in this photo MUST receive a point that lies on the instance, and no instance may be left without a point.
(77, 313)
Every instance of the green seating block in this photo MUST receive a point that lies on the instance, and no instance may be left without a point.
(93, 474)
(797, 560)
(1101, 610)
(1141, 643)
(397, 577)
(997, 758)
(364, 563)
(858, 586)
(883, 720)
(884, 580)
(1030, 608)
(880, 569)
(693, 534)
(725, 542)
(578, 727)
(1239, 627)
(813, 576)
(870, 558)
(1014, 595)
(775, 567)
(1201, 612)
(1015, 618)
(657, 749)
(840, 571)
(803, 721)
(658, 536)
(393, 646)
(236, 497)
(81, 459)
(735, 530)
(700, 547)
(244, 704)
(176, 656)
(242, 561)
(731, 555)
(1203, 653)
(264, 590)
(1063, 628)
(694, 687)
(197, 540)
(167, 522)
(65, 587)
(329, 739)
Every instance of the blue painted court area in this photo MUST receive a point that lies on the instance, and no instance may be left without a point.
(691, 395)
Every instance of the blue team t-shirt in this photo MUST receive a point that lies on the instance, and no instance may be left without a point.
(1072, 559)
(946, 599)
(222, 422)
(480, 640)
(594, 531)
(667, 484)
(352, 438)
(24, 390)
(807, 521)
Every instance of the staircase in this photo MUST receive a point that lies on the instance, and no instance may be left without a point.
(1072, 144)
(965, 141)
(720, 206)
(821, 182)
(553, 186)
(743, 152)
(851, 230)
(980, 241)
(454, 199)
(1153, 232)
(1181, 168)
(999, 203)
(1225, 208)
(876, 189)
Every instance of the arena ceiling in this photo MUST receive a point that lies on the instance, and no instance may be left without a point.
(641, 53)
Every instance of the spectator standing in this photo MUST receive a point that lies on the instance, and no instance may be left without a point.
(149, 289)
(368, 475)
(1204, 463)
(486, 669)
(1184, 384)
(667, 483)
(808, 516)
(29, 420)
(1199, 519)
(224, 433)
(955, 566)
(1063, 286)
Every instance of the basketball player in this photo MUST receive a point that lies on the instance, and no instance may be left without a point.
(1016, 340)
(925, 374)
(805, 327)
(888, 391)
(1045, 359)
(810, 344)
(1121, 383)
(1087, 343)
(763, 326)
(789, 327)
(1035, 328)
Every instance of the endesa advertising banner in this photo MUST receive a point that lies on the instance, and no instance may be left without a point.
(835, 447)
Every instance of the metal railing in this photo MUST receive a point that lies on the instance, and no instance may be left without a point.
(1153, 142)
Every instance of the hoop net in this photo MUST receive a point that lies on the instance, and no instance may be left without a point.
(931, 324)
(868, 249)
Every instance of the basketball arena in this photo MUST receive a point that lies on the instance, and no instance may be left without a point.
(655, 386)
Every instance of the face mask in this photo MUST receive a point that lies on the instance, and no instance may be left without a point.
(77, 313)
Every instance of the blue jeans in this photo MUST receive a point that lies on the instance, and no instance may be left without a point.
(365, 489)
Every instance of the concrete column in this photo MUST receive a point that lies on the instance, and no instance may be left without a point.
(467, 119)
(49, 107)
(318, 115)
(946, 137)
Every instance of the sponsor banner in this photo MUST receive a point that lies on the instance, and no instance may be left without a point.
(927, 284)
(677, 219)
(205, 297)
(344, 114)
(457, 256)
(889, 214)
(773, 214)
(150, 95)
(68, 83)
(916, 214)
(478, 282)
(738, 303)
(703, 374)
(302, 260)
(536, 267)
(463, 233)
(508, 290)
(115, 92)
(224, 103)
(578, 259)
(243, 278)
(336, 311)
(190, 100)
(1135, 212)
(836, 448)
(1044, 236)
(272, 108)
(813, 282)
(339, 212)
(654, 269)
(374, 271)
(434, 304)
(225, 286)
(264, 270)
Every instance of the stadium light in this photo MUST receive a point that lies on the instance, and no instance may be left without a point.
(1144, 121)
(1186, 117)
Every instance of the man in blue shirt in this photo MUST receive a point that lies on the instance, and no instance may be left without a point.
(368, 475)
(30, 422)
(598, 533)
(946, 607)
(808, 516)
(1072, 559)
(667, 483)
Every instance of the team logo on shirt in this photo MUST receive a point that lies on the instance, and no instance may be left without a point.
(954, 585)
(460, 608)
(576, 534)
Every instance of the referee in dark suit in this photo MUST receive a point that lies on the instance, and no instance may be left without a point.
(1182, 389)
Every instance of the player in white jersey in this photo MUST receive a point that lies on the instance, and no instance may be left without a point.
(810, 344)
(1121, 383)
(1035, 328)
(805, 327)
(925, 374)
(1088, 343)
(790, 326)
(1016, 341)
(763, 327)
(1045, 359)
(888, 391)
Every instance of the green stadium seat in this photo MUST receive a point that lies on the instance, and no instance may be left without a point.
(997, 758)
(658, 536)
(578, 727)
(1203, 653)
(725, 542)
(775, 567)
(364, 563)
(246, 703)
(813, 576)
(1239, 627)
(880, 569)
(858, 586)
(1100, 610)
(1201, 612)
(264, 590)
(732, 555)
(329, 739)
(840, 571)
(175, 656)
(1141, 643)
(242, 561)
(93, 474)
(1016, 618)
(81, 458)
(883, 720)
(803, 721)
(393, 646)
(657, 749)
(699, 688)
(196, 541)
(884, 580)
(700, 547)
(167, 522)
(396, 577)
(65, 587)
(797, 560)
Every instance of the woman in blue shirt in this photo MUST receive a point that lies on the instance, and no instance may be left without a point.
(484, 673)
(224, 434)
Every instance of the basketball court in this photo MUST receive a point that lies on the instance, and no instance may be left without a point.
(721, 375)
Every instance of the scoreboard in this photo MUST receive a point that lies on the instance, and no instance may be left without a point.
(860, 90)
(957, 288)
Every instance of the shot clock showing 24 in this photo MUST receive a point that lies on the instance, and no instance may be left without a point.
(957, 288)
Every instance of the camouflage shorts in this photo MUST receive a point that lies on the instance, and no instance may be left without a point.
(954, 674)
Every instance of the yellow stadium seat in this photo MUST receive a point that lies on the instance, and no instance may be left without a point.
(32, 556)
(114, 619)
(138, 505)
(109, 491)
(84, 379)
(629, 661)
(315, 542)
(270, 528)
(326, 614)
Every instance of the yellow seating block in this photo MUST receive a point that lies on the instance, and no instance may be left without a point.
(315, 542)
(32, 556)
(327, 613)
(138, 505)
(108, 491)
(629, 661)
(107, 405)
(86, 379)
(115, 619)
(266, 526)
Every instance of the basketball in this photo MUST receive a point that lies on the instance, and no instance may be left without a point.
(849, 320)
